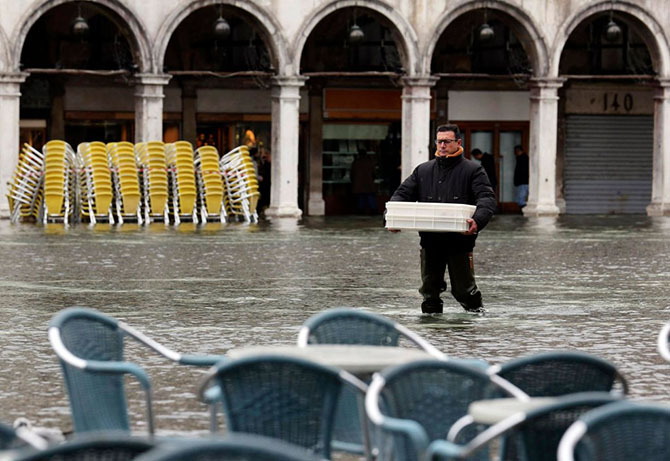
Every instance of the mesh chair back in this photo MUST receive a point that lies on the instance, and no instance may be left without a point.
(289, 399)
(108, 447)
(238, 447)
(97, 400)
(625, 431)
(537, 438)
(435, 394)
(348, 326)
(559, 373)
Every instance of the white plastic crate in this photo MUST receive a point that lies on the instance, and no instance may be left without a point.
(428, 217)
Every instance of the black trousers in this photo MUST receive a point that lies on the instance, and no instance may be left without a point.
(434, 263)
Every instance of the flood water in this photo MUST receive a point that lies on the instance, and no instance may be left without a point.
(596, 284)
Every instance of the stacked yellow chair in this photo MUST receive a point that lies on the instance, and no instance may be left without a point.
(95, 182)
(239, 175)
(179, 156)
(210, 184)
(59, 195)
(125, 177)
(151, 158)
(25, 188)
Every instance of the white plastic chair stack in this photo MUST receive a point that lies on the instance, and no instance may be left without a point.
(153, 171)
(95, 182)
(125, 179)
(181, 173)
(210, 184)
(59, 181)
(25, 188)
(239, 175)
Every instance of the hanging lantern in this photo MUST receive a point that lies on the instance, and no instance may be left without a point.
(79, 25)
(356, 34)
(612, 31)
(221, 28)
(486, 33)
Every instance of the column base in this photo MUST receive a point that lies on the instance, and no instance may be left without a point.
(656, 209)
(4, 211)
(316, 207)
(283, 212)
(533, 210)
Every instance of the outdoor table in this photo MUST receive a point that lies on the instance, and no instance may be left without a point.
(493, 411)
(358, 360)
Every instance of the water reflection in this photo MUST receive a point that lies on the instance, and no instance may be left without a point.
(597, 284)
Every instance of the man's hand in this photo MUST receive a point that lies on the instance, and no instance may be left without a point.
(473, 227)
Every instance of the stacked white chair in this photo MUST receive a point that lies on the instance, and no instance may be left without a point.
(25, 189)
(239, 175)
(60, 198)
(125, 178)
(181, 173)
(153, 171)
(210, 184)
(96, 191)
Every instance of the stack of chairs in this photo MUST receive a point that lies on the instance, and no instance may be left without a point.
(181, 172)
(95, 182)
(60, 199)
(25, 188)
(239, 175)
(153, 171)
(125, 177)
(210, 185)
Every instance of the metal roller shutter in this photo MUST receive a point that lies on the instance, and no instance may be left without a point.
(608, 164)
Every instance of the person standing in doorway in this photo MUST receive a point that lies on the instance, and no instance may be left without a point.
(520, 177)
(362, 174)
(489, 164)
(450, 178)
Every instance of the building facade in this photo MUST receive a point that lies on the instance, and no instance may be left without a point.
(582, 85)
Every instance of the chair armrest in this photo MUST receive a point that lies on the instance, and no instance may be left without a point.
(119, 368)
(413, 430)
(201, 360)
(443, 449)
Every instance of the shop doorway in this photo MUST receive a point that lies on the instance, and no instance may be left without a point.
(498, 139)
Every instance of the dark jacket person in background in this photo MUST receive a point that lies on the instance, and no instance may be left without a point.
(489, 164)
(450, 178)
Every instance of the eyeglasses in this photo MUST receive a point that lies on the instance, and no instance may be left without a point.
(445, 141)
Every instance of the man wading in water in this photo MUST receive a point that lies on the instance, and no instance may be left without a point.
(450, 178)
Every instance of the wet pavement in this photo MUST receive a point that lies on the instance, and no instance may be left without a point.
(596, 284)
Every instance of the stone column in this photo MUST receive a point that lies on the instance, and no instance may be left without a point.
(415, 122)
(660, 187)
(10, 99)
(149, 97)
(284, 150)
(542, 151)
(315, 203)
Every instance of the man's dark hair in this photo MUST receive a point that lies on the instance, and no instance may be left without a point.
(475, 152)
(450, 127)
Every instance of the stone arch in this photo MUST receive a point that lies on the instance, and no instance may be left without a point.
(271, 29)
(405, 36)
(139, 39)
(530, 34)
(648, 27)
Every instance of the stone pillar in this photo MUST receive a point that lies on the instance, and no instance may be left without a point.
(189, 113)
(149, 97)
(284, 150)
(660, 187)
(10, 98)
(415, 122)
(315, 203)
(542, 151)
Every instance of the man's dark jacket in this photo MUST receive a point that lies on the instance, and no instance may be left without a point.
(450, 180)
